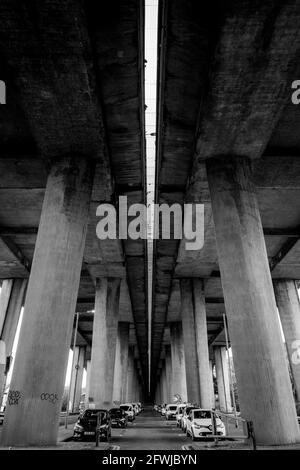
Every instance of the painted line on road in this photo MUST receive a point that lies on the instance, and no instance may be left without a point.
(187, 447)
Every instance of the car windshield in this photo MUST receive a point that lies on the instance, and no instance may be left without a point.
(117, 413)
(202, 414)
(125, 407)
(93, 413)
(173, 408)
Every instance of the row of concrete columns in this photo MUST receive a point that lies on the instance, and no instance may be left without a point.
(37, 385)
(173, 379)
(264, 386)
(11, 302)
(126, 381)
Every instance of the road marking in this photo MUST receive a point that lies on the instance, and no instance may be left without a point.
(114, 448)
(188, 447)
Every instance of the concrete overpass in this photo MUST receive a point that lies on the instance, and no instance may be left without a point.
(72, 136)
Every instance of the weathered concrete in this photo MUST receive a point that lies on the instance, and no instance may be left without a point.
(205, 375)
(178, 361)
(264, 386)
(129, 385)
(76, 378)
(104, 342)
(37, 384)
(121, 363)
(189, 341)
(169, 373)
(288, 304)
(223, 382)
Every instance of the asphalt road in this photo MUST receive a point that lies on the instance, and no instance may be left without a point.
(150, 431)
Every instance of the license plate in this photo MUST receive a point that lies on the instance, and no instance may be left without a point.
(89, 433)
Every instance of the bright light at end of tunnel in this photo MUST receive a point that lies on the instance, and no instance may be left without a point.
(151, 30)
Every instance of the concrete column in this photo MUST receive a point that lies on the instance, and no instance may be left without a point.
(263, 381)
(213, 397)
(136, 386)
(178, 361)
(76, 378)
(37, 385)
(2, 368)
(158, 399)
(288, 304)
(6, 288)
(121, 363)
(13, 313)
(88, 379)
(14, 304)
(129, 388)
(205, 376)
(169, 373)
(105, 329)
(189, 341)
(164, 384)
(222, 372)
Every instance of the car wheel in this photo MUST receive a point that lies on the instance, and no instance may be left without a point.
(193, 436)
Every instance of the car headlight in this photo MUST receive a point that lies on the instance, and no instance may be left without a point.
(197, 426)
(221, 426)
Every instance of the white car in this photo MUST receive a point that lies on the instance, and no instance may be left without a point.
(179, 413)
(200, 424)
(184, 418)
(128, 408)
(171, 412)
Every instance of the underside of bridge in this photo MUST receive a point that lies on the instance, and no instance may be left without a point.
(72, 137)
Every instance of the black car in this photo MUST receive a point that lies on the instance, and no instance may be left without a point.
(86, 425)
(118, 418)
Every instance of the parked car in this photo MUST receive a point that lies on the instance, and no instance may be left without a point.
(170, 412)
(118, 418)
(179, 413)
(86, 424)
(200, 424)
(185, 416)
(128, 408)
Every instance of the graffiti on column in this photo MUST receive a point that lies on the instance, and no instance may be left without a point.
(50, 397)
(14, 397)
